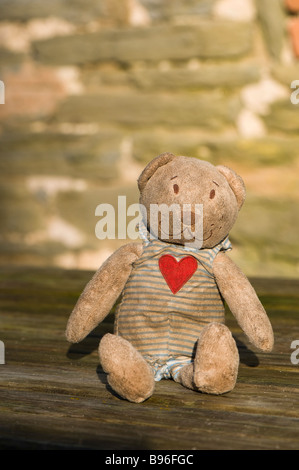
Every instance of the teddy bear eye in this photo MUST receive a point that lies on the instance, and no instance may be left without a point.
(176, 188)
(212, 194)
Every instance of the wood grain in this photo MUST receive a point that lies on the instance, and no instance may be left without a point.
(55, 395)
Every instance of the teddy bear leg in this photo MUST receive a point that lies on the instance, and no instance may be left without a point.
(185, 376)
(216, 361)
(128, 372)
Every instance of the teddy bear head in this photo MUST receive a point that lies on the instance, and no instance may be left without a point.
(201, 201)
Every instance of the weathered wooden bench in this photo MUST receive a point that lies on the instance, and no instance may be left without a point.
(55, 395)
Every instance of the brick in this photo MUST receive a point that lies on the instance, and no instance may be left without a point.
(148, 144)
(252, 153)
(286, 74)
(209, 110)
(31, 91)
(272, 19)
(292, 5)
(168, 9)
(73, 10)
(91, 157)
(78, 209)
(207, 39)
(277, 220)
(283, 116)
(294, 32)
(10, 60)
(20, 212)
(206, 76)
(183, 78)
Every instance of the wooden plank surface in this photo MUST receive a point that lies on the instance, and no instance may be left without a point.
(55, 396)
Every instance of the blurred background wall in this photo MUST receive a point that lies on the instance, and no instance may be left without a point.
(94, 89)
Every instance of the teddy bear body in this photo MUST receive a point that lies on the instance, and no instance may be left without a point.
(162, 314)
(170, 320)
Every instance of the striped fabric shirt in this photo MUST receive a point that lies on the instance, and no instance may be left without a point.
(162, 324)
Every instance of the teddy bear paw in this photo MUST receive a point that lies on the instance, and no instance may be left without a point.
(217, 360)
(129, 375)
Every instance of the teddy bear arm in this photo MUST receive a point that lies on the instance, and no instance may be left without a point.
(243, 302)
(102, 291)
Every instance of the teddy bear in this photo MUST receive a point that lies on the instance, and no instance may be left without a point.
(172, 285)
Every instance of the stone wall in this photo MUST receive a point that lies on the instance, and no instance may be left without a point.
(94, 89)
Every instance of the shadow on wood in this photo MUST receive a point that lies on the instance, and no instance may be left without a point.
(87, 346)
(247, 356)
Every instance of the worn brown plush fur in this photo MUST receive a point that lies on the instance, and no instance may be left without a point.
(169, 179)
(101, 292)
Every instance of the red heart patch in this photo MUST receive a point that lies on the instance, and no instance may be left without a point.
(177, 273)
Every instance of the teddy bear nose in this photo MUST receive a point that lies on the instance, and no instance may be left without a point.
(188, 217)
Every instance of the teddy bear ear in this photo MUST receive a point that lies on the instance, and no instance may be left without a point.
(152, 167)
(236, 183)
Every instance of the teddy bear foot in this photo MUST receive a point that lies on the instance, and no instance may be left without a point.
(128, 373)
(217, 360)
